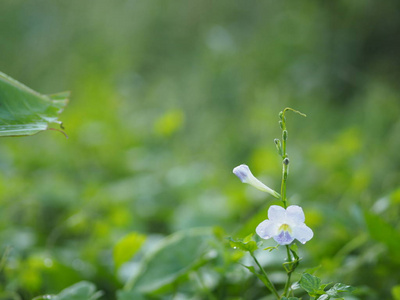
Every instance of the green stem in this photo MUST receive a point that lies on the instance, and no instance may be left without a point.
(268, 284)
(285, 162)
(283, 185)
(283, 194)
(284, 166)
(289, 274)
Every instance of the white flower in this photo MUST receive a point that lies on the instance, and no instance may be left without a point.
(285, 225)
(245, 175)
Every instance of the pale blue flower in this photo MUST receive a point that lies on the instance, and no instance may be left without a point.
(285, 225)
(245, 175)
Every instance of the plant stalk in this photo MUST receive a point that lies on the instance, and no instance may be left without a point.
(269, 284)
(289, 274)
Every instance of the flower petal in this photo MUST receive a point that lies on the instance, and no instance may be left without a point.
(295, 214)
(284, 238)
(267, 229)
(243, 172)
(302, 233)
(277, 214)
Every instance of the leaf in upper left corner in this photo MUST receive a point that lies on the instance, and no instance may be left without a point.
(26, 112)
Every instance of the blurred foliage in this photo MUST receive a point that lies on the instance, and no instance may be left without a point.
(168, 97)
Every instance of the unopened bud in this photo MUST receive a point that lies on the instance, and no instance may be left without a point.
(284, 135)
(281, 124)
(281, 115)
(245, 176)
(286, 161)
(278, 146)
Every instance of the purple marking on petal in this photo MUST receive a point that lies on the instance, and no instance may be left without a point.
(242, 172)
(283, 238)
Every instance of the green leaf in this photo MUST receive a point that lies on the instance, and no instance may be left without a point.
(339, 288)
(396, 292)
(246, 245)
(80, 291)
(311, 284)
(385, 233)
(290, 298)
(24, 111)
(127, 247)
(129, 295)
(177, 255)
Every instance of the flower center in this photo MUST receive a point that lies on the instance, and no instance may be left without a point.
(285, 227)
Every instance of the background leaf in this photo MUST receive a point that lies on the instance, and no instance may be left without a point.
(176, 255)
(80, 291)
(383, 232)
(396, 292)
(127, 247)
(24, 111)
(129, 295)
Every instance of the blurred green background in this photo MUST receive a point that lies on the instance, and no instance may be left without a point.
(169, 96)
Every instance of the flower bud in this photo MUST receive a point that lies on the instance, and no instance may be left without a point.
(245, 176)
(278, 146)
(286, 161)
(284, 135)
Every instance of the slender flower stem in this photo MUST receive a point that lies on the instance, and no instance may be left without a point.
(289, 274)
(283, 184)
(268, 282)
(285, 162)
(284, 165)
